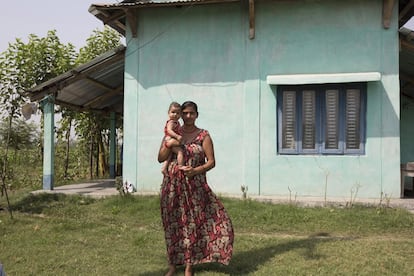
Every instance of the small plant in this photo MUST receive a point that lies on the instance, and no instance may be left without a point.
(326, 188)
(354, 192)
(290, 196)
(118, 183)
(385, 201)
(124, 188)
(244, 189)
(326, 172)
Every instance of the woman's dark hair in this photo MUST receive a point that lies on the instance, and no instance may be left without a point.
(189, 104)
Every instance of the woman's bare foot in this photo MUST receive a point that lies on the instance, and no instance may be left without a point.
(171, 271)
(188, 270)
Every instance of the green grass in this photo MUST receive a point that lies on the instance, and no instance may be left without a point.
(71, 235)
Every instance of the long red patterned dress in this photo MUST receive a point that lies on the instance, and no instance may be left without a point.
(197, 227)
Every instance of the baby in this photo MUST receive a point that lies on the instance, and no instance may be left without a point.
(172, 135)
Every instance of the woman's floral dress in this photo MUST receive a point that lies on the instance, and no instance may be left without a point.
(197, 227)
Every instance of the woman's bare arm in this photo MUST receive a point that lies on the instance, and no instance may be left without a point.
(163, 153)
(209, 152)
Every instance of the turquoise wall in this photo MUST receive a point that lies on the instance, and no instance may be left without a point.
(203, 53)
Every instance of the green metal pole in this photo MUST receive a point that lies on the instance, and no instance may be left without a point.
(48, 142)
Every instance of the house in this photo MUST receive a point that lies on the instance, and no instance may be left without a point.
(301, 98)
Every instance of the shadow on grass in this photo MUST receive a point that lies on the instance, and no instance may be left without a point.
(247, 262)
(35, 204)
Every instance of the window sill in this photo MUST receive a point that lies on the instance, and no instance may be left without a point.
(322, 78)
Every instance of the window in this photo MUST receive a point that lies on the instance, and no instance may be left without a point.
(321, 119)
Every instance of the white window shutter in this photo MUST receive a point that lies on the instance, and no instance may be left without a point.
(308, 119)
(352, 113)
(332, 119)
(289, 120)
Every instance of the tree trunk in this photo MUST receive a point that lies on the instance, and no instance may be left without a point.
(103, 164)
(91, 158)
(97, 156)
(5, 165)
(67, 149)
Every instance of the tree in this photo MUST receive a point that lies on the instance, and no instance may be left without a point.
(98, 43)
(23, 66)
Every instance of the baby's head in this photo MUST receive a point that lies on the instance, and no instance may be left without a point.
(174, 111)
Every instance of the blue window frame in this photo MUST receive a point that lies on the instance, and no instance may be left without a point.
(322, 119)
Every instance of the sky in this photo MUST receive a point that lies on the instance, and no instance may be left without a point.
(71, 20)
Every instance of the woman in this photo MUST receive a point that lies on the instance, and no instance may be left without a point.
(197, 227)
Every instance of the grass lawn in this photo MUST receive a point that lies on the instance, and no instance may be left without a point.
(71, 235)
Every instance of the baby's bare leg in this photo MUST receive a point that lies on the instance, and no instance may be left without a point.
(171, 142)
(180, 155)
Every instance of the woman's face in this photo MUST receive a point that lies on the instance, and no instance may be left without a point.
(189, 115)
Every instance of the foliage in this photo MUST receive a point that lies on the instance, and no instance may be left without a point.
(22, 134)
(55, 234)
(22, 166)
(71, 167)
(98, 43)
(25, 65)
(24, 169)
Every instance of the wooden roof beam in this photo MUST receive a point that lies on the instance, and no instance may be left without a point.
(251, 19)
(132, 21)
(99, 84)
(387, 7)
(114, 17)
(406, 9)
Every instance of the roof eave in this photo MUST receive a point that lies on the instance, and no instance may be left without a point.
(58, 85)
(114, 15)
(38, 92)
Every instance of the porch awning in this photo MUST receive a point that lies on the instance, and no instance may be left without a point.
(95, 86)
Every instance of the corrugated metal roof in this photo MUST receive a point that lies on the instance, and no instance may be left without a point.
(97, 85)
(114, 14)
(129, 3)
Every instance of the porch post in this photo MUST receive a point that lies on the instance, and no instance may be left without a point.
(112, 145)
(48, 142)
